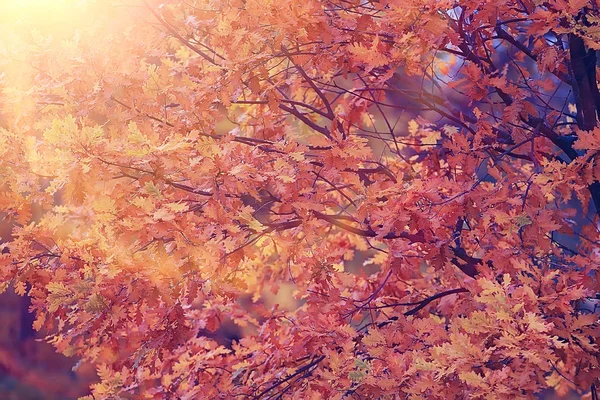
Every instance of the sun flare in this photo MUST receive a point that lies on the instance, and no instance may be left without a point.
(46, 16)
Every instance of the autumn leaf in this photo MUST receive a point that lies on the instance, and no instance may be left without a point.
(265, 199)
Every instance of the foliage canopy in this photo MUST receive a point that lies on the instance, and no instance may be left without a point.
(422, 173)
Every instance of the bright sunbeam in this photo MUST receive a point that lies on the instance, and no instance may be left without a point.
(46, 16)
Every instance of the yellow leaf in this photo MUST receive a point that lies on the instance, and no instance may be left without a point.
(374, 338)
(536, 323)
(431, 137)
(522, 220)
(152, 189)
(413, 127)
(20, 288)
(163, 214)
(96, 303)
(177, 207)
(59, 295)
(471, 378)
(297, 156)
(39, 321)
(103, 204)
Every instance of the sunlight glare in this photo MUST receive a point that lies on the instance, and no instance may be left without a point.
(46, 16)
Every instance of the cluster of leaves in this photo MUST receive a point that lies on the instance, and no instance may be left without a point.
(174, 163)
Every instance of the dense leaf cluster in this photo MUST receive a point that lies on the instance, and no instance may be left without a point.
(418, 177)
